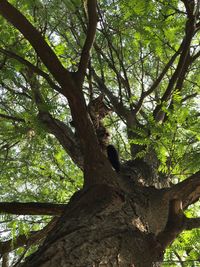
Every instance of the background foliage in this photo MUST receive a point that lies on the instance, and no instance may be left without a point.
(134, 42)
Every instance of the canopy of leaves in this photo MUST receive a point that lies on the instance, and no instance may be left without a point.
(134, 43)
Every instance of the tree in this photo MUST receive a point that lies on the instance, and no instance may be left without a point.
(69, 71)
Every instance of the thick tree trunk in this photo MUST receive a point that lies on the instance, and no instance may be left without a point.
(108, 226)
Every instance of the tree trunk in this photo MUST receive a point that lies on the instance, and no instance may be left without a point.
(108, 226)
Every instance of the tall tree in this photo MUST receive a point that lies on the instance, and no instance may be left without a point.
(72, 72)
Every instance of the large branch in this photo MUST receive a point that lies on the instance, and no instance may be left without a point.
(188, 190)
(49, 58)
(44, 51)
(174, 225)
(59, 129)
(189, 6)
(32, 208)
(92, 23)
(64, 135)
(96, 168)
(33, 238)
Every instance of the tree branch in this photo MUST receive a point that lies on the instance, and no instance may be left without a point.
(44, 51)
(12, 90)
(195, 56)
(192, 223)
(60, 130)
(104, 29)
(32, 67)
(5, 260)
(189, 97)
(179, 258)
(162, 74)
(33, 238)
(175, 223)
(189, 6)
(8, 117)
(97, 168)
(111, 64)
(118, 106)
(3, 63)
(188, 190)
(64, 135)
(92, 23)
(32, 208)
(182, 65)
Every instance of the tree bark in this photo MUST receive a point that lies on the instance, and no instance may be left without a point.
(104, 225)
(128, 225)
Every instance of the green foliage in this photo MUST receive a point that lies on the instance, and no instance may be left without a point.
(186, 248)
(134, 42)
(33, 165)
(176, 141)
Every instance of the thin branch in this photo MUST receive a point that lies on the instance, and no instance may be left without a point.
(179, 258)
(111, 65)
(157, 81)
(32, 208)
(189, 97)
(8, 117)
(195, 56)
(192, 223)
(34, 68)
(3, 63)
(16, 263)
(118, 106)
(5, 260)
(182, 65)
(166, 68)
(118, 54)
(33, 238)
(92, 23)
(13, 91)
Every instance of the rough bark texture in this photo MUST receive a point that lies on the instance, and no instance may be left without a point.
(129, 225)
(105, 225)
